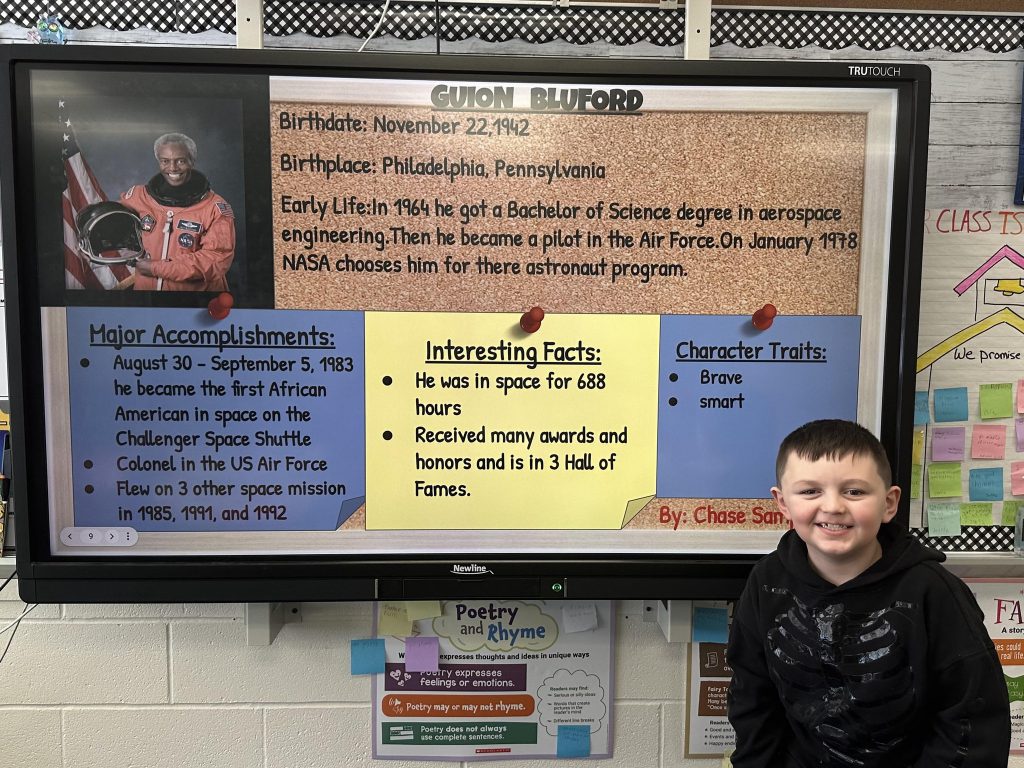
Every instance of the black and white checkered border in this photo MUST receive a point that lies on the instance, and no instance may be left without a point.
(973, 538)
(868, 31)
(543, 23)
(124, 15)
(578, 25)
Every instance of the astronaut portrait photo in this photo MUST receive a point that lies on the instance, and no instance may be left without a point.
(148, 175)
(174, 230)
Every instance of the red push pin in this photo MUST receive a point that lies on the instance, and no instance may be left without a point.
(220, 305)
(764, 317)
(530, 321)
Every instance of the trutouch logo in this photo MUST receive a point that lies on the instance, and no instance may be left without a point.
(471, 569)
(858, 71)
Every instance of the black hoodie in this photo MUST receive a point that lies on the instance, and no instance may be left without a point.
(891, 669)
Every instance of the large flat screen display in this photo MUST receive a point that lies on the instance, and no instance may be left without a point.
(327, 326)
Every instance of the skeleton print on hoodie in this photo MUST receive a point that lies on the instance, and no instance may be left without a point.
(890, 670)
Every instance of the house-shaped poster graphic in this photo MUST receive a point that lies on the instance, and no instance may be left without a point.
(947, 345)
(1006, 252)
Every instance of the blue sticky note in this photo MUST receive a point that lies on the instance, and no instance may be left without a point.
(921, 408)
(986, 484)
(367, 656)
(573, 741)
(421, 654)
(951, 404)
(710, 625)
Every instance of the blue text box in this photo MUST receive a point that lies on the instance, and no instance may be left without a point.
(728, 394)
(259, 417)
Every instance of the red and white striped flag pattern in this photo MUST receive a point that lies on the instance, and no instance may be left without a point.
(81, 189)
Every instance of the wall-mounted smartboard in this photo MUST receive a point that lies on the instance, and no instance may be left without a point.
(378, 408)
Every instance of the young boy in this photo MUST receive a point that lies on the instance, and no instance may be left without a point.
(851, 645)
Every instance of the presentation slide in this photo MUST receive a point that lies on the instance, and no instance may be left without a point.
(367, 315)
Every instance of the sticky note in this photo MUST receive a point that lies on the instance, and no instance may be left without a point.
(1020, 395)
(392, 619)
(367, 656)
(995, 401)
(944, 480)
(918, 446)
(951, 404)
(422, 653)
(943, 519)
(579, 615)
(916, 471)
(921, 408)
(1017, 478)
(1018, 426)
(976, 513)
(988, 441)
(710, 625)
(986, 484)
(948, 443)
(573, 741)
(1010, 508)
(422, 609)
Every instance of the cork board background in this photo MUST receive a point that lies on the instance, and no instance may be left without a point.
(723, 160)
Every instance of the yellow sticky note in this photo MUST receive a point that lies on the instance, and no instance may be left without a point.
(392, 619)
(484, 427)
(944, 479)
(423, 609)
(976, 513)
(995, 401)
(916, 470)
(918, 446)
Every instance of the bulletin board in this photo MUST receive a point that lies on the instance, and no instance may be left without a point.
(383, 384)
(968, 458)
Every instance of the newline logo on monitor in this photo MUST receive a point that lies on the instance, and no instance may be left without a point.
(470, 570)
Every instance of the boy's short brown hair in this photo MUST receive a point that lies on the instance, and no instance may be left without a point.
(832, 439)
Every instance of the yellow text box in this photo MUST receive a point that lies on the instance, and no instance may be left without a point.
(473, 424)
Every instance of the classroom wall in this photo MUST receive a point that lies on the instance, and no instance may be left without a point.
(176, 686)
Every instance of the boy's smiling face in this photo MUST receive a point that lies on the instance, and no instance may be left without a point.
(837, 506)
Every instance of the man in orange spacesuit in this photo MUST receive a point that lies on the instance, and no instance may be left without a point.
(188, 230)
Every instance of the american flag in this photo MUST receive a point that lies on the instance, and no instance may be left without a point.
(81, 189)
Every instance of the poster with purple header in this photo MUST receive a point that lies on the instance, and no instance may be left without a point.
(511, 679)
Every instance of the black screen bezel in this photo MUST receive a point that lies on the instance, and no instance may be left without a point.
(45, 578)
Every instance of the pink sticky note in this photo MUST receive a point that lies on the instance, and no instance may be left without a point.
(1017, 478)
(1020, 395)
(421, 654)
(948, 443)
(988, 441)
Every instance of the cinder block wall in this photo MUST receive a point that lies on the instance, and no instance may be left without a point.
(176, 686)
